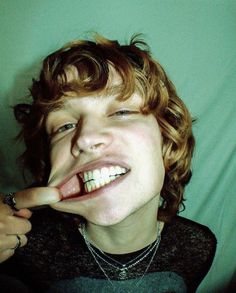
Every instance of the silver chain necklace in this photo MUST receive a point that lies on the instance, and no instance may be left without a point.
(120, 268)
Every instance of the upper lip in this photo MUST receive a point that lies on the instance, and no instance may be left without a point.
(96, 164)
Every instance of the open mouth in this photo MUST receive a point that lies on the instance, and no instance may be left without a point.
(89, 181)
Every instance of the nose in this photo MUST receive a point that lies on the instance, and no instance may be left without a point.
(92, 137)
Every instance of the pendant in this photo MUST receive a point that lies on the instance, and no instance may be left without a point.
(123, 273)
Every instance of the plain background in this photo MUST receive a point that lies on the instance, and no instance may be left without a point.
(194, 40)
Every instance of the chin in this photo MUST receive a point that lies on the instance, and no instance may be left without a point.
(107, 218)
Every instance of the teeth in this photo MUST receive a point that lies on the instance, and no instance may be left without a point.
(86, 178)
(89, 187)
(97, 178)
(112, 171)
(96, 174)
(90, 175)
(98, 183)
(107, 180)
(118, 170)
(104, 173)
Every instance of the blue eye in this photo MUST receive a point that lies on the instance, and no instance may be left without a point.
(66, 127)
(123, 112)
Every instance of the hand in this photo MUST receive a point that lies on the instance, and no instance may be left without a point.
(14, 224)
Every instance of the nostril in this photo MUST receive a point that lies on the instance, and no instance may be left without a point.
(75, 150)
(91, 141)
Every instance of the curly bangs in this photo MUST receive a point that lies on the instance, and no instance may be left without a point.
(83, 68)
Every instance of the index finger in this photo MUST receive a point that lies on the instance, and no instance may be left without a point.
(36, 196)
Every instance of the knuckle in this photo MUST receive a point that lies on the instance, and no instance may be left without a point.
(6, 254)
(9, 219)
(2, 227)
(14, 225)
(24, 240)
(28, 226)
(8, 224)
(5, 210)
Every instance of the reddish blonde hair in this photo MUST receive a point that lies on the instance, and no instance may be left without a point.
(138, 71)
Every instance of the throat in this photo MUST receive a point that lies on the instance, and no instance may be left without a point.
(121, 242)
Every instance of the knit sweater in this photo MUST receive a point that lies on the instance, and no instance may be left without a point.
(56, 259)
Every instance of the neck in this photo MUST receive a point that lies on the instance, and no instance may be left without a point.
(134, 233)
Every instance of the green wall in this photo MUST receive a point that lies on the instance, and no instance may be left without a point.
(194, 40)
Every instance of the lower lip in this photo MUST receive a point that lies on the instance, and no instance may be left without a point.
(97, 192)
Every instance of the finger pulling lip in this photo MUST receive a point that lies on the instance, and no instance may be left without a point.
(73, 186)
(83, 195)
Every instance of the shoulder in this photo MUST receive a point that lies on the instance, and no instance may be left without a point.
(190, 247)
(192, 228)
(194, 236)
(185, 222)
(191, 239)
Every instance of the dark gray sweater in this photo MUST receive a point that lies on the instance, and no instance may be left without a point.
(56, 259)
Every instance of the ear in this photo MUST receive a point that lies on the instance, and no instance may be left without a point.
(22, 112)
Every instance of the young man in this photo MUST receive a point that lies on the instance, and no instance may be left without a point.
(111, 141)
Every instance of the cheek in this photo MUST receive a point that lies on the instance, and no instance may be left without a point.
(147, 139)
(148, 144)
(58, 155)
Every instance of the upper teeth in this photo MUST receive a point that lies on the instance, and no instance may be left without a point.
(104, 173)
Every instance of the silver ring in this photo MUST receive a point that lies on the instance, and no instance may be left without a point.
(10, 201)
(18, 244)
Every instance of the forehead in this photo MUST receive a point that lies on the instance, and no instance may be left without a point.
(101, 101)
(111, 94)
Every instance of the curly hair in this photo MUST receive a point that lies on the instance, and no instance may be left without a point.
(92, 61)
